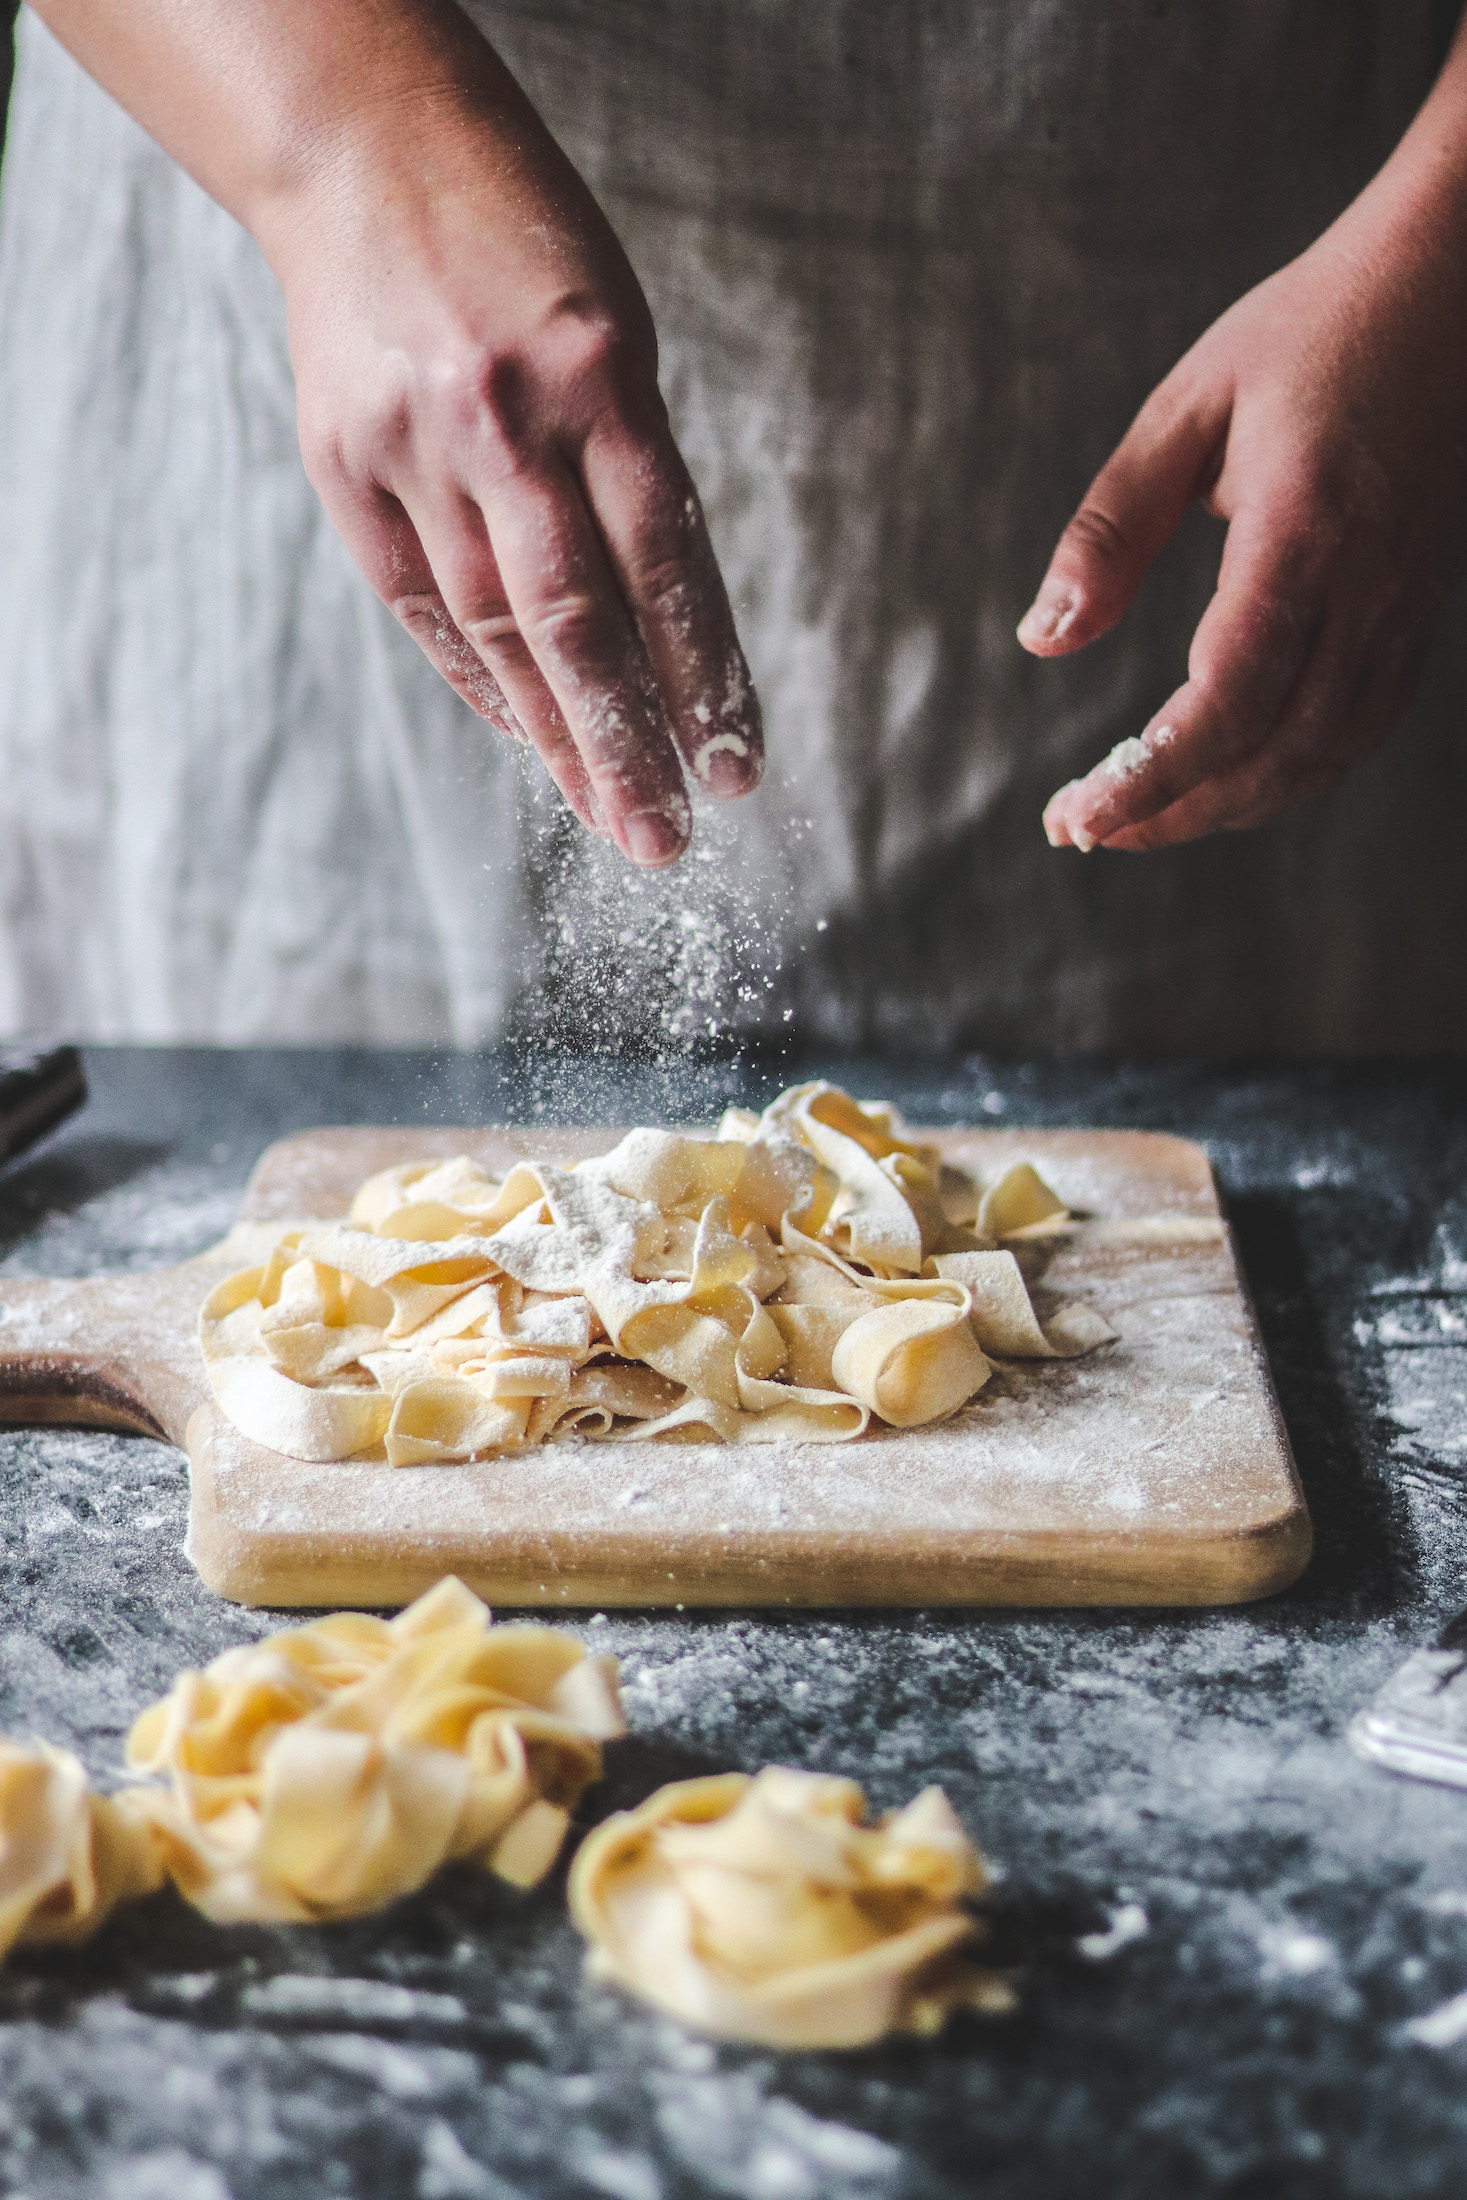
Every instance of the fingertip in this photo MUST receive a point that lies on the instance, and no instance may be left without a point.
(727, 764)
(655, 838)
(1060, 828)
(721, 735)
(1049, 626)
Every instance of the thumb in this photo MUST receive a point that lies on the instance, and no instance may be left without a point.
(1134, 505)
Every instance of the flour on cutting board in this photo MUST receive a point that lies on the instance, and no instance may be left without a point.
(1168, 1433)
(1071, 1437)
(1122, 1434)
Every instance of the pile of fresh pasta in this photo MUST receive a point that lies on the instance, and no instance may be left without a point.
(788, 1280)
(332, 1769)
(319, 1774)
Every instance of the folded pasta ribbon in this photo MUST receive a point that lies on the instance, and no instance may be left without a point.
(765, 1909)
(1002, 1313)
(804, 1271)
(67, 1856)
(330, 1769)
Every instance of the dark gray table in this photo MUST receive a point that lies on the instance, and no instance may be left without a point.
(1300, 1908)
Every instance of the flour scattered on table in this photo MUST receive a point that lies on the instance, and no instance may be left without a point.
(1127, 1923)
(1441, 2027)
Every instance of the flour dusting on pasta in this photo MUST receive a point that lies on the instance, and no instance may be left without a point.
(801, 1273)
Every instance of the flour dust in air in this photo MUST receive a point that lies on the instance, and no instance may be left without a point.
(661, 966)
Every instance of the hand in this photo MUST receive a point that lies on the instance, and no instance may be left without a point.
(477, 390)
(1325, 418)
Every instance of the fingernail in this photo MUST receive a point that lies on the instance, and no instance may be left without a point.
(652, 838)
(723, 766)
(1058, 830)
(1051, 615)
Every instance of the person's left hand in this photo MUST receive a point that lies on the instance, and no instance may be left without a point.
(1325, 418)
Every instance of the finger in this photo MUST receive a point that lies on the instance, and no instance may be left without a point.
(1135, 504)
(1341, 711)
(1247, 655)
(652, 524)
(1381, 702)
(381, 536)
(570, 617)
(454, 539)
(385, 544)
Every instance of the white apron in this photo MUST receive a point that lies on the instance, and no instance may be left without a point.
(913, 266)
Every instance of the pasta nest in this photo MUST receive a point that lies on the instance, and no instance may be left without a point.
(330, 1769)
(67, 1856)
(764, 1909)
(794, 1277)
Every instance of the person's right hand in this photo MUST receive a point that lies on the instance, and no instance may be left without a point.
(477, 391)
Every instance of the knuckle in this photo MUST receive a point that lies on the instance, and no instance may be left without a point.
(594, 346)
(573, 628)
(491, 626)
(584, 361)
(598, 352)
(1098, 535)
(489, 392)
(426, 617)
(608, 372)
(467, 390)
(350, 436)
(323, 449)
(663, 582)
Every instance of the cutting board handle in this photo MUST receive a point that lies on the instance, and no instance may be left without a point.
(99, 1352)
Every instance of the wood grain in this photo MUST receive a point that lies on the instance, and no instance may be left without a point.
(1156, 1472)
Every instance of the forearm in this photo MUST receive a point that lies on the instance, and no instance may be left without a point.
(265, 101)
(1416, 206)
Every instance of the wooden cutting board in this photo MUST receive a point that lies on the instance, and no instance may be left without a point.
(1155, 1472)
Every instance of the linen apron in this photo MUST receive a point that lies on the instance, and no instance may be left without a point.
(914, 264)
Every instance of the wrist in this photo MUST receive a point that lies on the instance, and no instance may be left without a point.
(403, 136)
(272, 104)
(1414, 212)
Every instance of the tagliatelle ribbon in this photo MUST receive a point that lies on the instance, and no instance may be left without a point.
(804, 1271)
(1002, 1313)
(333, 1768)
(766, 1910)
(67, 1856)
(321, 1773)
